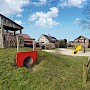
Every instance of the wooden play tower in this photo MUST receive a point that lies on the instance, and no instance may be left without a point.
(8, 34)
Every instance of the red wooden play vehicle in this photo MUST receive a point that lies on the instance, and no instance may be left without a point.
(25, 58)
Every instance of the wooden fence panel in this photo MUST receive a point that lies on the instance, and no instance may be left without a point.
(11, 41)
(86, 68)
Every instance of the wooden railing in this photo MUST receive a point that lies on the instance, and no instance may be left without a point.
(86, 69)
(11, 41)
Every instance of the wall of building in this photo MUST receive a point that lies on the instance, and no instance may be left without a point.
(46, 42)
(87, 43)
(81, 41)
(43, 39)
(52, 45)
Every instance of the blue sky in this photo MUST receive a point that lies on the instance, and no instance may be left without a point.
(59, 18)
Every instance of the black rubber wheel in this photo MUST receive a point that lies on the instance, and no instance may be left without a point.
(28, 62)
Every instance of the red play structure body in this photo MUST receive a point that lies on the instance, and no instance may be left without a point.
(21, 56)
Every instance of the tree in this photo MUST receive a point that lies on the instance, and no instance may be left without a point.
(65, 40)
(61, 43)
(85, 23)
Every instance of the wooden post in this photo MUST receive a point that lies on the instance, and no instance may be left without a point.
(58, 46)
(14, 33)
(88, 66)
(33, 45)
(45, 46)
(17, 44)
(84, 73)
(84, 46)
(49, 47)
(2, 29)
(21, 31)
(2, 36)
(88, 58)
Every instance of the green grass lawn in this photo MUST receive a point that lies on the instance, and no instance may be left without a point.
(50, 72)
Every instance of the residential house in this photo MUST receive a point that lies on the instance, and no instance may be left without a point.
(28, 41)
(47, 40)
(62, 43)
(70, 44)
(82, 40)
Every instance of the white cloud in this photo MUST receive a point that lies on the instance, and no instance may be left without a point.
(51, 22)
(77, 20)
(45, 19)
(19, 15)
(40, 2)
(12, 7)
(41, 22)
(33, 17)
(43, 1)
(72, 3)
(53, 13)
(18, 22)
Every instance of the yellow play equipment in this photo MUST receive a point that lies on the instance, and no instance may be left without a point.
(77, 49)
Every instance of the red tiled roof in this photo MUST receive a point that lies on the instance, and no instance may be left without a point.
(26, 36)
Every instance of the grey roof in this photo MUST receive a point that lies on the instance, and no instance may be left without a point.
(8, 23)
(80, 37)
(50, 38)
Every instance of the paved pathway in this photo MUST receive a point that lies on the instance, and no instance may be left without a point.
(68, 52)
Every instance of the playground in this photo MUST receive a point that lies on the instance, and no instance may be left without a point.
(78, 51)
(50, 72)
(68, 52)
(46, 71)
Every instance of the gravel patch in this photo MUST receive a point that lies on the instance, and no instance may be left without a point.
(68, 52)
